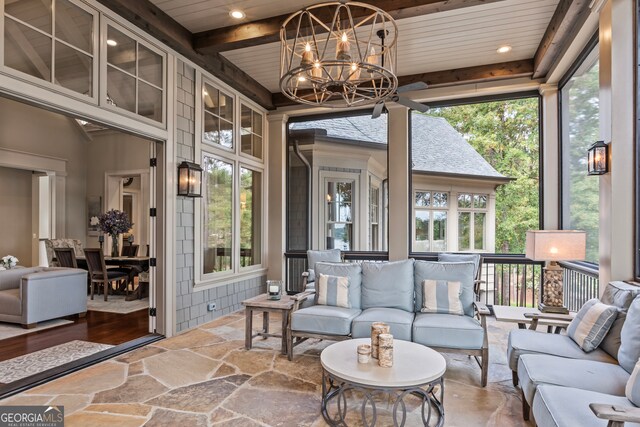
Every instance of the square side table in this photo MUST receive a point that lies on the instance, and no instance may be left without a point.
(266, 306)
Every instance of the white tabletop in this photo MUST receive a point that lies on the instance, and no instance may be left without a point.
(505, 313)
(413, 364)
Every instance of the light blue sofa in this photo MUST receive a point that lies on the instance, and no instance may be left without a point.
(391, 292)
(559, 381)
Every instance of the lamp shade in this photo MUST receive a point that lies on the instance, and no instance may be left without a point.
(189, 179)
(556, 245)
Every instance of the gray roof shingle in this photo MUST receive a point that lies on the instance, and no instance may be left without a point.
(437, 147)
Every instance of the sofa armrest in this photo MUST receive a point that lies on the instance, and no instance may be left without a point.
(299, 298)
(305, 279)
(616, 413)
(481, 308)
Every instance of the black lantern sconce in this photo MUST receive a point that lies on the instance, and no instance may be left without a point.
(598, 158)
(189, 179)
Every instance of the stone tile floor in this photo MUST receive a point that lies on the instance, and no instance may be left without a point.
(205, 377)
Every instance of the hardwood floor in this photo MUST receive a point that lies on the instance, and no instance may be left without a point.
(97, 326)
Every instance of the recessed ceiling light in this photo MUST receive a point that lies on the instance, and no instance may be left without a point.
(111, 42)
(504, 49)
(237, 14)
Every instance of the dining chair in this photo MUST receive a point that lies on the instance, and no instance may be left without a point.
(66, 257)
(130, 250)
(100, 275)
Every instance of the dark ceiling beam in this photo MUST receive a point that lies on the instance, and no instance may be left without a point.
(478, 74)
(565, 24)
(268, 30)
(158, 24)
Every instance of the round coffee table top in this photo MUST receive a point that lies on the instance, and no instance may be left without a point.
(413, 364)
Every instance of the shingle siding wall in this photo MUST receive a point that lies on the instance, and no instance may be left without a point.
(191, 305)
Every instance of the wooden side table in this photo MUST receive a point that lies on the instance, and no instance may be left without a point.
(262, 303)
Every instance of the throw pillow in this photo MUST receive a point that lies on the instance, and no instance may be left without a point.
(333, 290)
(591, 324)
(441, 296)
(632, 390)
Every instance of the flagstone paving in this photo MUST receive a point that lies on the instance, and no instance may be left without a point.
(205, 377)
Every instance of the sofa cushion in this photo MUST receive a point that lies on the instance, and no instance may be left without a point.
(611, 342)
(632, 389)
(388, 284)
(453, 271)
(447, 330)
(556, 406)
(324, 319)
(537, 369)
(619, 294)
(333, 290)
(313, 257)
(474, 258)
(525, 341)
(351, 270)
(591, 324)
(629, 352)
(399, 322)
(10, 279)
(10, 302)
(441, 296)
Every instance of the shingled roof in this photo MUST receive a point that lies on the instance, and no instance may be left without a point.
(437, 147)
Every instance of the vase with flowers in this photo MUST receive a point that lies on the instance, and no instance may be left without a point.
(114, 223)
(8, 262)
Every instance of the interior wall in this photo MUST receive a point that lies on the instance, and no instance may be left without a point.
(15, 211)
(55, 136)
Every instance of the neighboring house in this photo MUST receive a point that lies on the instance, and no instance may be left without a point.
(453, 186)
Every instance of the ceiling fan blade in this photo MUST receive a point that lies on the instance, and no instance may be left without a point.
(412, 104)
(412, 86)
(377, 110)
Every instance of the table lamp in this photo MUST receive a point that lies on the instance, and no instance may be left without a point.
(554, 246)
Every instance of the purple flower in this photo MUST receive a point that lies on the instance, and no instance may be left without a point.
(114, 222)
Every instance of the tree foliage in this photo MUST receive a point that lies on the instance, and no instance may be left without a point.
(506, 134)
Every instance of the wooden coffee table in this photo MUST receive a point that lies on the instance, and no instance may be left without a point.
(416, 370)
(262, 303)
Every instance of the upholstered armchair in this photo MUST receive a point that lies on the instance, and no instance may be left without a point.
(50, 244)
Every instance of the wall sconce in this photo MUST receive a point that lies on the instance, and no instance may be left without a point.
(598, 158)
(189, 179)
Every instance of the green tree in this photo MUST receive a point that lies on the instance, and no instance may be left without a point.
(506, 134)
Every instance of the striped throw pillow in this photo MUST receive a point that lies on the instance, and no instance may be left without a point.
(632, 390)
(333, 290)
(441, 296)
(591, 324)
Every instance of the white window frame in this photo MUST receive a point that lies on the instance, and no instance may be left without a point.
(239, 142)
(238, 160)
(375, 183)
(356, 198)
(431, 209)
(473, 210)
(106, 22)
(50, 85)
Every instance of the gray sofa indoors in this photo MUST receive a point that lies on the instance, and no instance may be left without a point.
(392, 292)
(559, 381)
(32, 295)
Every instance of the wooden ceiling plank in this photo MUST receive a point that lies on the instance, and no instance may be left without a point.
(565, 24)
(477, 74)
(267, 30)
(158, 24)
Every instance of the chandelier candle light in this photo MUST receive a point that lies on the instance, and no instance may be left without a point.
(348, 61)
(554, 246)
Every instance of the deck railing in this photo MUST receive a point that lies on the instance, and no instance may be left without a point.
(580, 284)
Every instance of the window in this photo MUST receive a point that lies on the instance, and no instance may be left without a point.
(472, 222)
(135, 75)
(339, 214)
(218, 117)
(251, 131)
(53, 41)
(580, 127)
(374, 214)
(430, 221)
(230, 230)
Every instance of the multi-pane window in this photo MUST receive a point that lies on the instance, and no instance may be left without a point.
(472, 222)
(339, 214)
(218, 117)
(217, 215)
(250, 217)
(250, 131)
(135, 75)
(51, 40)
(580, 119)
(374, 217)
(430, 221)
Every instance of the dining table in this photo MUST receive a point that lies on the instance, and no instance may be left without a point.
(142, 262)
